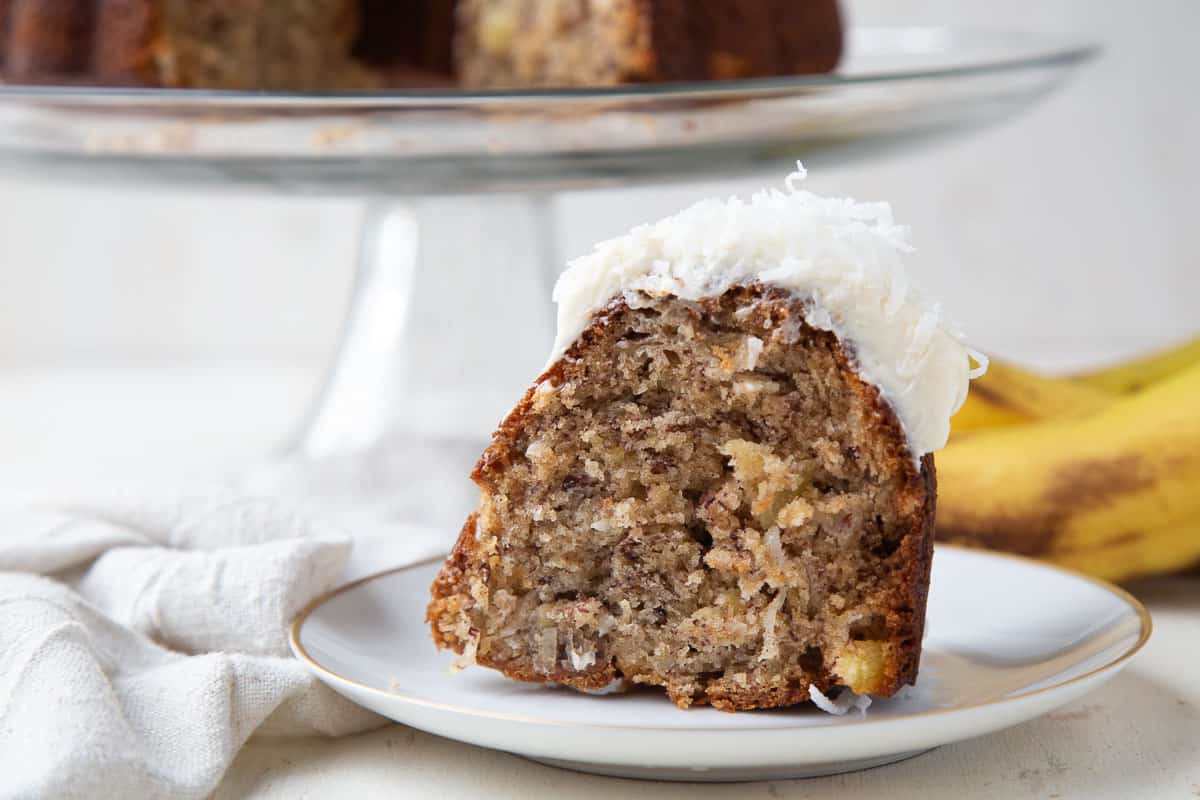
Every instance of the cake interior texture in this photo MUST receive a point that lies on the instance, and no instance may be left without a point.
(271, 44)
(703, 496)
(532, 42)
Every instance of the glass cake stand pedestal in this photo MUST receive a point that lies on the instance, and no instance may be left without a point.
(451, 314)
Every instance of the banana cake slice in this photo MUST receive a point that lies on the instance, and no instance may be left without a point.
(722, 484)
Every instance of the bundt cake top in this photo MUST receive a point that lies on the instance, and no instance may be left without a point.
(841, 256)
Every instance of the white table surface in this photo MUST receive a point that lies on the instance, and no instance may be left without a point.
(1138, 736)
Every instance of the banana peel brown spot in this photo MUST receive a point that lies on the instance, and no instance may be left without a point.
(1127, 537)
(1035, 531)
(993, 397)
(1028, 534)
(1093, 484)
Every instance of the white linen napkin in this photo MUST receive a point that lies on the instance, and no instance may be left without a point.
(144, 639)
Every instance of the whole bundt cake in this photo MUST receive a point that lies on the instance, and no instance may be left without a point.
(340, 44)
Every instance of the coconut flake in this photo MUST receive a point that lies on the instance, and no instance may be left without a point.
(981, 364)
(615, 686)
(467, 658)
(752, 349)
(794, 179)
(770, 648)
(582, 660)
(845, 701)
(547, 653)
(775, 546)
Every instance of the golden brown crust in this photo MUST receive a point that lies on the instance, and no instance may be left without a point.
(906, 621)
(128, 42)
(45, 38)
(5, 32)
(111, 42)
(734, 39)
(905, 618)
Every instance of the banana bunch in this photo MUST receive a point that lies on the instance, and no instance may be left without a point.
(1099, 472)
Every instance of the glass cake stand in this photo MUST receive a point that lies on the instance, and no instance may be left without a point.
(451, 314)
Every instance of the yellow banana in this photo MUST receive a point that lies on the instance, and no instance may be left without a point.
(979, 413)
(1008, 395)
(1116, 494)
(1131, 376)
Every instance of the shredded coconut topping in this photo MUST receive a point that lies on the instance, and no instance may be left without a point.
(841, 256)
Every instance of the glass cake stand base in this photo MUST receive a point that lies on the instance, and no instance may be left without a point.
(450, 319)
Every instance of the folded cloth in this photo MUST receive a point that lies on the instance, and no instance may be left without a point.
(143, 641)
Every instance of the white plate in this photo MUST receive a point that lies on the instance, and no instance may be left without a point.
(1007, 639)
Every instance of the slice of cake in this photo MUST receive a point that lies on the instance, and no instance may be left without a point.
(538, 43)
(722, 484)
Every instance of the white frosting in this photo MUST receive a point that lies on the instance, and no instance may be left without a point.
(842, 256)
